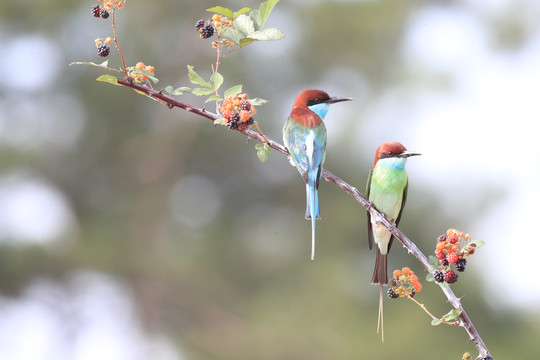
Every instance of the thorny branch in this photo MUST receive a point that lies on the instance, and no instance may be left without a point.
(464, 320)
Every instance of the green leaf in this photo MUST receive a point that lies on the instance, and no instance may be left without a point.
(265, 9)
(263, 151)
(255, 15)
(452, 315)
(234, 35)
(179, 91)
(196, 79)
(217, 79)
(102, 65)
(433, 260)
(436, 322)
(429, 277)
(220, 121)
(237, 89)
(213, 98)
(267, 34)
(246, 41)
(242, 11)
(109, 79)
(221, 11)
(244, 24)
(257, 101)
(202, 91)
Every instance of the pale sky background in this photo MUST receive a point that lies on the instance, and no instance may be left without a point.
(486, 126)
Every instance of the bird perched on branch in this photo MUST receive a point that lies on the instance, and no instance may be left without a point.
(304, 135)
(387, 187)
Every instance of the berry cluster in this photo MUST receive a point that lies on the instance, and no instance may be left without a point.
(103, 11)
(103, 46)
(452, 249)
(140, 72)
(237, 111)
(218, 23)
(405, 283)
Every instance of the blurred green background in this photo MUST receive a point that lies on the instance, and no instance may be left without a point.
(131, 231)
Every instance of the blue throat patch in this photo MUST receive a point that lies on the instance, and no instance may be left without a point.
(393, 163)
(320, 109)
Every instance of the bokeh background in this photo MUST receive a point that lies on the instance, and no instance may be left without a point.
(131, 231)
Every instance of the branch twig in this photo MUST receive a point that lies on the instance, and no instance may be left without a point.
(464, 320)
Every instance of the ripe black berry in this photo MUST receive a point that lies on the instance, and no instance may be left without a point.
(250, 121)
(95, 10)
(246, 105)
(450, 277)
(207, 31)
(104, 50)
(392, 294)
(461, 264)
(104, 14)
(199, 24)
(439, 276)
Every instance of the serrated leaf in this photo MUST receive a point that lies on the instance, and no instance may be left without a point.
(234, 35)
(257, 101)
(265, 9)
(244, 24)
(221, 11)
(109, 79)
(220, 121)
(263, 151)
(202, 91)
(267, 34)
(179, 91)
(255, 15)
(237, 89)
(213, 98)
(217, 79)
(196, 79)
(242, 11)
(436, 322)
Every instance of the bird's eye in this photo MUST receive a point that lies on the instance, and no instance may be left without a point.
(390, 153)
(317, 101)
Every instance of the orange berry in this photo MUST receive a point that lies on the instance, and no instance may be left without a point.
(418, 287)
(244, 115)
(406, 271)
(140, 65)
(237, 102)
(440, 246)
(414, 278)
(397, 273)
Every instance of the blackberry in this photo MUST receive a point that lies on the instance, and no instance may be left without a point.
(242, 126)
(441, 238)
(232, 125)
(439, 276)
(104, 50)
(250, 121)
(233, 121)
(207, 31)
(444, 262)
(246, 105)
(199, 24)
(450, 277)
(95, 10)
(461, 264)
(104, 14)
(392, 294)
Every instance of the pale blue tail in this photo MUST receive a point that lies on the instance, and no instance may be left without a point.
(312, 211)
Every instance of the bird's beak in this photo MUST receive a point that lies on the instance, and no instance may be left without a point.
(408, 154)
(334, 100)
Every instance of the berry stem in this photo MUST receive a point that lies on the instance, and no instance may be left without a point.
(465, 321)
(430, 314)
(116, 44)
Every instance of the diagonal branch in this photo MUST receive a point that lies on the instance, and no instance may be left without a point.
(464, 321)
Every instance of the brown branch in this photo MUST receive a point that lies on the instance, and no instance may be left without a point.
(464, 321)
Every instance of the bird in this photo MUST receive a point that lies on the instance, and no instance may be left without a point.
(304, 135)
(386, 190)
